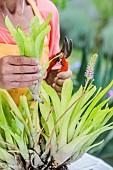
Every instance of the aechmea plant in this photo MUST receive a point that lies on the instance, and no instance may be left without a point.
(56, 133)
(31, 44)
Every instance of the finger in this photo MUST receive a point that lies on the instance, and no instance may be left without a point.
(10, 85)
(59, 81)
(22, 60)
(20, 69)
(64, 75)
(56, 87)
(59, 94)
(21, 77)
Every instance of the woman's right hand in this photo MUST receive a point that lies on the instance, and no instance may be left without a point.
(18, 72)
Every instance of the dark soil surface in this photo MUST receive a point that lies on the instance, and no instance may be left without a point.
(63, 168)
(60, 168)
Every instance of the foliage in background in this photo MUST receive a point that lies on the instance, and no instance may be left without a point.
(79, 24)
(105, 9)
(60, 3)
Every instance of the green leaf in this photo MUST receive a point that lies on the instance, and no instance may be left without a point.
(91, 107)
(65, 100)
(22, 33)
(47, 114)
(96, 112)
(39, 41)
(15, 109)
(15, 35)
(80, 153)
(79, 109)
(4, 122)
(19, 139)
(34, 28)
(76, 144)
(29, 45)
(2, 145)
(54, 98)
(45, 24)
(6, 157)
(24, 104)
(22, 146)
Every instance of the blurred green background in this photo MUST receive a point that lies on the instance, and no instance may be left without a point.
(89, 23)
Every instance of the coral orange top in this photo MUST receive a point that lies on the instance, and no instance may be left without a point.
(51, 45)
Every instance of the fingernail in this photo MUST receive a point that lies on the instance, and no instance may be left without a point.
(39, 68)
(36, 61)
(40, 76)
(53, 85)
(58, 75)
(35, 82)
(55, 80)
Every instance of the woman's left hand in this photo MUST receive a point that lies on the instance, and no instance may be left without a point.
(59, 80)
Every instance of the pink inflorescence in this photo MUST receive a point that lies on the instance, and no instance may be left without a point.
(89, 74)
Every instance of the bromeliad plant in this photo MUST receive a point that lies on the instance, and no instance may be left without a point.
(56, 133)
(31, 44)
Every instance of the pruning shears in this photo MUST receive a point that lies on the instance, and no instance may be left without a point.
(62, 56)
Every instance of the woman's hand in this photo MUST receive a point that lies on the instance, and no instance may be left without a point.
(59, 80)
(56, 79)
(18, 71)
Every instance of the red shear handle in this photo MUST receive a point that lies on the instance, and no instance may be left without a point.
(52, 63)
(64, 64)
